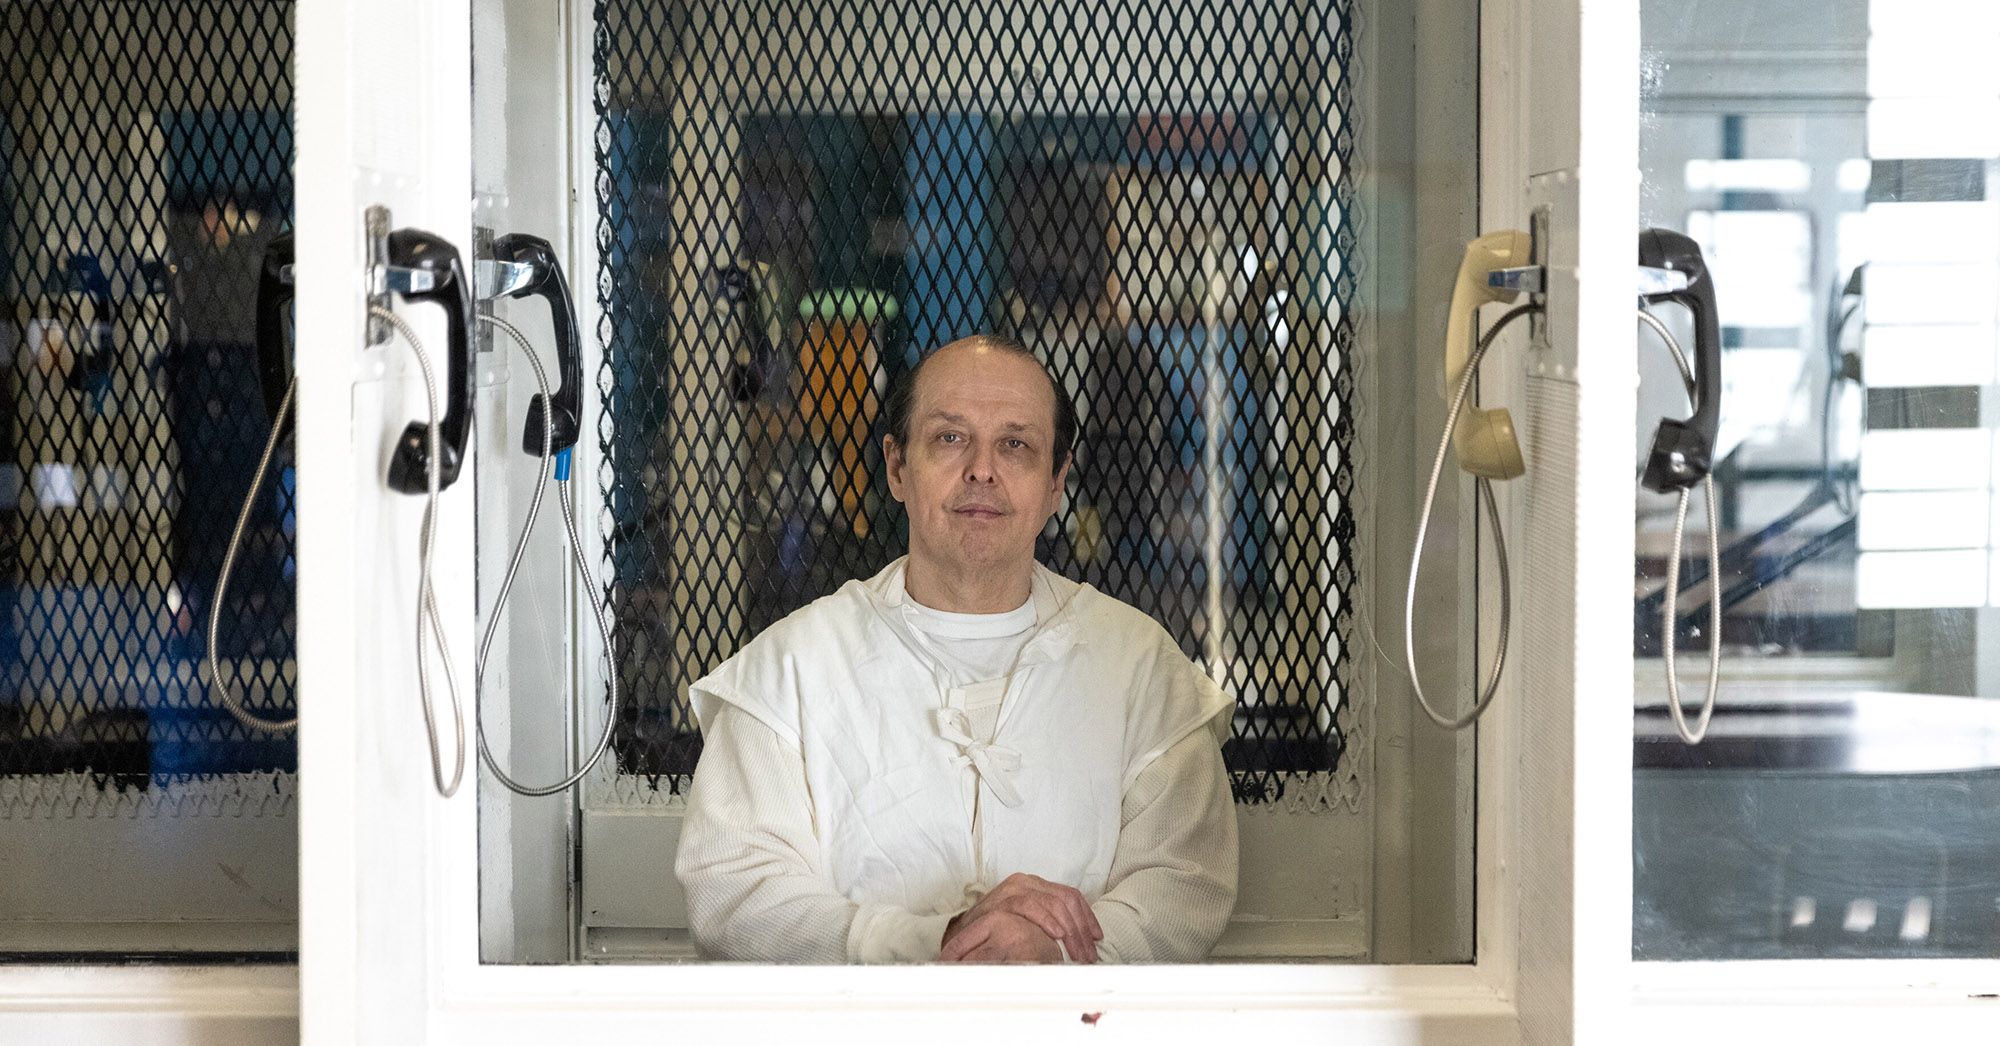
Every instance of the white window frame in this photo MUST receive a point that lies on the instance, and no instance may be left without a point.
(436, 988)
(218, 1005)
(389, 876)
(1502, 997)
(611, 831)
(1816, 1000)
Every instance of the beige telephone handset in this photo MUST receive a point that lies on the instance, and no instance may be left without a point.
(1484, 439)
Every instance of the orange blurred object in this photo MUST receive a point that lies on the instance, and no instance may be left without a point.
(838, 362)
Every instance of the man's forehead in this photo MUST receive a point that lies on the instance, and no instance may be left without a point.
(957, 381)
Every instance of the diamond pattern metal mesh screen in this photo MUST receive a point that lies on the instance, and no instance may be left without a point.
(145, 161)
(797, 198)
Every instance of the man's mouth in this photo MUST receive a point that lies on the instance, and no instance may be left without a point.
(979, 511)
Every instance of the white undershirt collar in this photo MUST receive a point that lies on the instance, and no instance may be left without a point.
(943, 624)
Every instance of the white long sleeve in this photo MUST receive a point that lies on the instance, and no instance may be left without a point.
(1173, 880)
(749, 863)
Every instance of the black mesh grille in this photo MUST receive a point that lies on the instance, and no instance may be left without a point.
(145, 161)
(796, 198)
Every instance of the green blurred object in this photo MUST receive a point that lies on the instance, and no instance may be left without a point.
(849, 303)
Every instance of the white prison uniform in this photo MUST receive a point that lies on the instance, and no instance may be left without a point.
(832, 818)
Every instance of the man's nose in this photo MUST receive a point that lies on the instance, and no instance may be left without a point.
(979, 466)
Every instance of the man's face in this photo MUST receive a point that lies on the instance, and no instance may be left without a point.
(976, 476)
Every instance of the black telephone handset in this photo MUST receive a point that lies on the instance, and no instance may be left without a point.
(451, 291)
(565, 407)
(1684, 449)
(448, 287)
(90, 372)
(274, 302)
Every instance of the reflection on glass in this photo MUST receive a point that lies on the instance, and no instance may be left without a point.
(1843, 804)
(141, 187)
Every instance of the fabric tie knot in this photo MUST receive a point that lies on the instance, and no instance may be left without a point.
(996, 765)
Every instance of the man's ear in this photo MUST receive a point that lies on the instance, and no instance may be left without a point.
(1059, 481)
(892, 461)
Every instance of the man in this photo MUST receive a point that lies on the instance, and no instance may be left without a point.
(966, 757)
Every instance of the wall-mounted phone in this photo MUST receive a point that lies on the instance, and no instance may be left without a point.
(420, 267)
(1843, 368)
(527, 266)
(1484, 439)
(275, 379)
(1684, 448)
(1497, 267)
(274, 342)
(90, 370)
(533, 271)
(1673, 271)
(426, 268)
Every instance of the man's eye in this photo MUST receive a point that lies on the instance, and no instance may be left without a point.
(949, 437)
(1015, 444)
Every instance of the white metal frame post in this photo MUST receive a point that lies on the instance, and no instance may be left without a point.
(1527, 803)
(1560, 134)
(383, 93)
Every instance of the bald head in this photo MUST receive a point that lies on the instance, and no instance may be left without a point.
(904, 396)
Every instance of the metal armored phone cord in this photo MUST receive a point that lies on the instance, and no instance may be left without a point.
(507, 587)
(1485, 489)
(1670, 620)
(427, 606)
(230, 701)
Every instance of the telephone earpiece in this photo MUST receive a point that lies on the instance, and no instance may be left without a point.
(1484, 440)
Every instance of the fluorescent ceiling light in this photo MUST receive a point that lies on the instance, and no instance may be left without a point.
(1926, 459)
(1956, 578)
(1927, 354)
(1929, 128)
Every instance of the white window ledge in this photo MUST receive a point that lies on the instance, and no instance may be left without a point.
(149, 1005)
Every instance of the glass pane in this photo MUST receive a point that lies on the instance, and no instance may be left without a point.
(1143, 255)
(790, 204)
(1837, 165)
(145, 164)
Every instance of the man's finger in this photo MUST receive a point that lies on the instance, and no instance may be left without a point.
(1048, 920)
(1086, 917)
(1086, 952)
(1004, 950)
(986, 953)
(1056, 920)
(1087, 932)
(971, 936)
(1019, 882)
(1068, 895)
(1081, 929)
(1081, 947)
(1058, 910)
(1096, 928)
(1057, 898)
(992, 948)
(1073, 900)
(1038, 906)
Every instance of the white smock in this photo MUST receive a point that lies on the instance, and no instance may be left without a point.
(871, 767)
